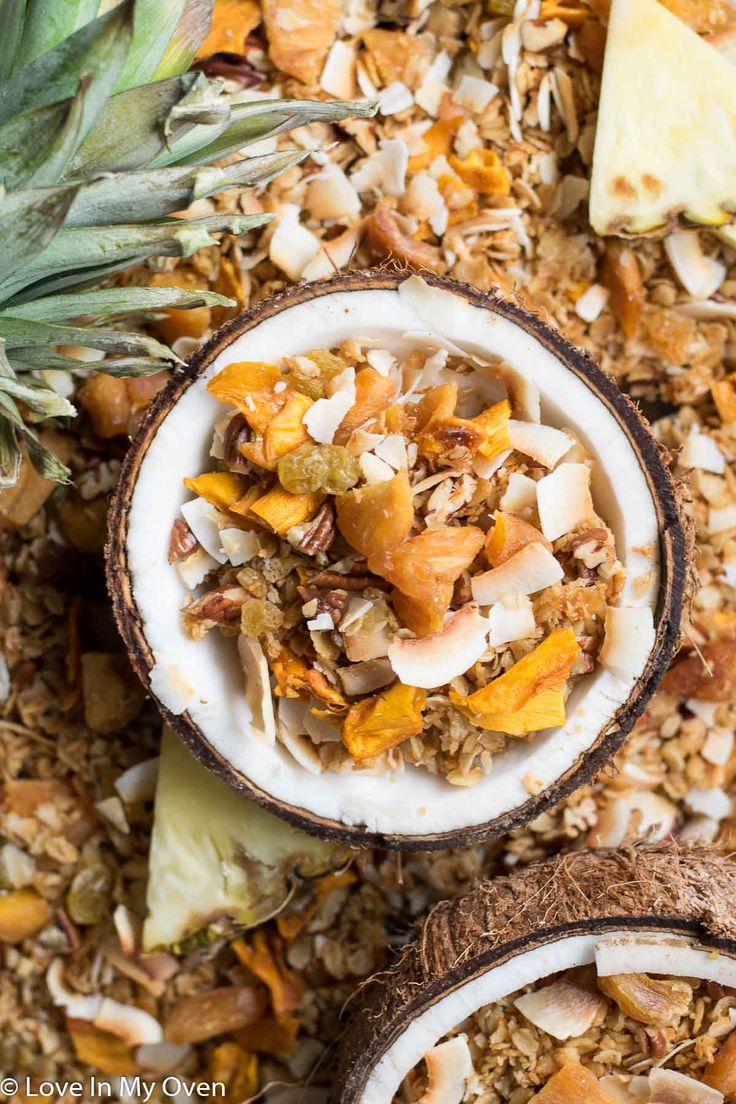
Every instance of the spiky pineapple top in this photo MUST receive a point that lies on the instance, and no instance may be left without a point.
(103, 134)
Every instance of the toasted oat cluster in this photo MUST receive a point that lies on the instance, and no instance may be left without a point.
(577, 1038)
(423, 570)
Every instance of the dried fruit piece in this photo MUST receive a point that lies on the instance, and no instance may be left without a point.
(259, 616)
(310, 468)
(381, 722)
(546, 667)
(437, 406)
(385, 239)
(89, 895)
(669, 333)
(648, 1000)
(100, 1049)
(300, 32)
(269, 1036)
(22, 914)
(113, 696)
(203, 1015)
(249, 386)
(373, 392)
(391, 50)
(295, 678)
(483, 171)
(174, 324)
(545, 709)
(281, 510)
(709, 675)
(621, 275)
(264, 958)
(286, 430)
(721, 1074)
(85, 523)
(573, 1084)
(509, 535)
(444, 439)
(724, 396)
(232, 22)
(421, 616)
(224, 490)
(494, 424)
(376, 517)
(105, 398)
(235, 1067)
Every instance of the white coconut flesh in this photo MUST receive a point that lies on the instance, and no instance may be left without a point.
(205, 678)
(614, 952)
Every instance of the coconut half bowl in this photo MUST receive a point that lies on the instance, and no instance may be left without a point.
(656, 910)
(202, 696)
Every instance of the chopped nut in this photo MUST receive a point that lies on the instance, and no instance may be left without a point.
(22, 914)
(181, 541)
(220, 606)
(237, 433)
(334, 602)
(321, 532)
(386, 239)
(204, 1015)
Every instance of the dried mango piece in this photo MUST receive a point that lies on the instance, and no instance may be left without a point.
(291, 924)
(437, 406)
(295, 677)
(724, 396)
(378, 516)
(300, 32)
(22, 914)
(249, 386)
(573, 1084)
(390, 51)
(269, 1036)
(545, 709)
(224, 490)
(232, 22)
(546, 666)
(648, 1000)
(433, 559)
(99, 1049)
(264, 958)
(286, 430)
(423, 616)
(437, 141)
(494, 424)
(509, 535)
(280, 509)
(483, 171)
(373, 392)
(721, 1074)
(234, 1067)
(444, 437)
(381, 722)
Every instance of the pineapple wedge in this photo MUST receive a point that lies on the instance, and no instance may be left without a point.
(666, 124)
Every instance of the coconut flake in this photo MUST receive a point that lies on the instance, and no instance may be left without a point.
(374, 470)
(321, 623)
(449, 1066)
(718, 747)
(292, 246)
(381, 360)
(161, 1057)
(629, 639)
(591, 303)
(430, 92)
(475, 93)
(670, 1087)
(111, 808)
(77, 1006)
(17, 865)
(511, 619)
(564, 500)
(485, 468)
(435, 660)
(332, 256)
(701, 451)
(169, 685)
(330, 195)
(520, 494)
(700, 275)
(195, 567)
(640, 813)
(522, 392)
(392, 449)
(138, 783)
(324, 416)
(385, 170)
(699, 829)
(714, 803)
(240, 545)
(394, 98)
(423, 197)
(131, 1024)
(529, 570)
(257, 686)
(704, 710)
(292, 736)
(562, 1010)
(721, 519)
(625, 1089)
(338, 74)
(128, 927)
(207, 523)
(543, 443)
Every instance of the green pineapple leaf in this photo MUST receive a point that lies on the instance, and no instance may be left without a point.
(109, 302)
(10, 455)
(189, 35)
(29, 221)
(155, 23)
(49, 22)
(21, 332)
(12, 15)
(45, 360)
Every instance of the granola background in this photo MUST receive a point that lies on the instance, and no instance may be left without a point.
(477, 165)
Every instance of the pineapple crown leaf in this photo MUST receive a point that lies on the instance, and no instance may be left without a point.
(112, 302)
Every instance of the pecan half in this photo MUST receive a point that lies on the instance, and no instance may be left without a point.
(599, 535)
(334, 602)
(237, 433)
(321, 533)
(329, 580)
(220, 607)
(182, 541)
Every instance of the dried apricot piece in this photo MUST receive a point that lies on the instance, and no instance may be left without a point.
(483, 171)
(438, 405)
(378, 516)
(224, 490)
(281, 510)
(99, 1049)
(648, 1000)
(295, 678)
(573, 1084)
(546, 667)
(509, 535)
(286, 430)
(621, 275)
(494, 425)
(373, 392)
(381, 722)
(435, 558)
(721, 1074)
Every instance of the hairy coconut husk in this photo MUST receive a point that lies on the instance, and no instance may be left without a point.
(675, 559)
(664, 888)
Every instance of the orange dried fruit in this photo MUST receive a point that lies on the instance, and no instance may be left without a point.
(383, 721)
(174, 323)
(378, 516)
(249, 386)
(23, 913)
(483, 171)
(509, 535)
(391, 50)
(373, 392)
(573, 1084)
(268, 1036)
(232, 22)
(300, 32)
(201, 1016)
(437, 406)
(445, 437)
(224, 490)
(385, 239)
(709, 675)
(724, 396)
(494, 425)
(99, 1049)
(546, 709)
(294, 677)
(281, 510)
(237, 1069)
(547, 666)
(423, 615)
(433, 559)
(656, 1001)
(286, 430)
(721, 1074)
(669, 333)
(437, 141)
(621, 275)
(264, 958)
(105, 398)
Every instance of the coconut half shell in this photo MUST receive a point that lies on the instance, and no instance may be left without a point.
(654, 909)
(199, 685)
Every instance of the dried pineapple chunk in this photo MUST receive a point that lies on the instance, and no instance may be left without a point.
(99, 1049)
(430, 561)
(224, 490)
(721, 1074)
(286, 430)
(379, 723)
(494, 424)
(546, 667)
(280, 509)
(509, 535)
(249, 386)
(666, 119)
(294, 678)
(483, 171)
(438, 405)
(376, 517)
(545, 709)
(373, 393)
(573, 1084)
(648, 1000)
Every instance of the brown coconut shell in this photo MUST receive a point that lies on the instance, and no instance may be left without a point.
(675, 559)
(664, 888)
